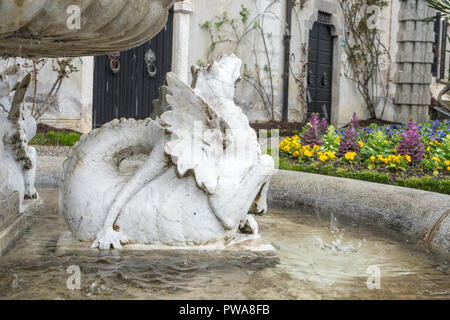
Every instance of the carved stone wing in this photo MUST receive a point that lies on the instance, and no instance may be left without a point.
(198, 134)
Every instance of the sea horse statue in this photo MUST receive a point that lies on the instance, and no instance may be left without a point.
(203, 174)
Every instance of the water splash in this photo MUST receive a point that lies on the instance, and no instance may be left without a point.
(338, 245)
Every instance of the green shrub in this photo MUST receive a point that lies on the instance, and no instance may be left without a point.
(425, 183)
(56, 138)
(329, 142)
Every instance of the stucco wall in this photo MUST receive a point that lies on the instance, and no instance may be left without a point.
(249, 50)
(346, 99)
(72, 109)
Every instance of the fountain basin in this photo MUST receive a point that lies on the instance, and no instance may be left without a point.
(48, 28)
(415, 213)
(410, 211)
(319, 256)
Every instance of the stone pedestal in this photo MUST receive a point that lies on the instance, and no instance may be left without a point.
(12, 223)
(67, 244)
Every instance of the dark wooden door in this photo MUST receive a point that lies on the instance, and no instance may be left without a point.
(320, 68)
(129, 92)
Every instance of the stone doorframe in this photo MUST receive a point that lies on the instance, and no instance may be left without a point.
(337, 32)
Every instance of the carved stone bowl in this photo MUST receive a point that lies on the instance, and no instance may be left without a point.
(49, 28)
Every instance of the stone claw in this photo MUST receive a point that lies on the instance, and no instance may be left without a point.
(108, 237)
(32, 195)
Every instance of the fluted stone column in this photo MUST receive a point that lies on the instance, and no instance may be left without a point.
(414, 59)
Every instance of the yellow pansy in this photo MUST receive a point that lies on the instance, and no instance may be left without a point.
(308, 153)
(287, 148)
(372, 158)
(296, 154)
(350, 156)
(316, 147)
(436, 159)
(295, 137)
(361, 144)
(323, 158)
(338, 140)
(331, 155)
(447, 163)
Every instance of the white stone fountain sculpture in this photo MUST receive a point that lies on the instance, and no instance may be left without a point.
(203, 174)
(73, 28)
(17, 128)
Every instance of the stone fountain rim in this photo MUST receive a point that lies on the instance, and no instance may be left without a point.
(421, 215)
(290, 189)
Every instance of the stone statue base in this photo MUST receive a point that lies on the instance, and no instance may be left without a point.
(13, 219)
(67, 244)
(12, 223)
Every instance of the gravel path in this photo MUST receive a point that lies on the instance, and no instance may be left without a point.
(49, 171)
(53, 151)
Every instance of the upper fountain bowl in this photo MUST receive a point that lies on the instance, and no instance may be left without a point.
(71, 28)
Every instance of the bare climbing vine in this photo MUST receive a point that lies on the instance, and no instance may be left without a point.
(367, 56)
(63, 68)
(300, 75)
(236, 31)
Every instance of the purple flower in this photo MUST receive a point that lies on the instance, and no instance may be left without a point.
(349, 142)
(311, 135)
(355, 121)
(323, 126)
(411, 144)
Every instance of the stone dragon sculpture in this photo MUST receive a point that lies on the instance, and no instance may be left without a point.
(17, 128)
(203, 174)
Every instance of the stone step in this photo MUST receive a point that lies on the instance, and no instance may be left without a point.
(11, 233)
(12, 224)
(9, 209)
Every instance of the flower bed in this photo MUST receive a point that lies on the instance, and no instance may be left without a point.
(409, 155)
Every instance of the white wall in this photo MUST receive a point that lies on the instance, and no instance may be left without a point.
(250, 50)
(73, 107)
(346, 98)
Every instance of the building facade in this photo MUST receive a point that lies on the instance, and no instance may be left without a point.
(294, 60)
